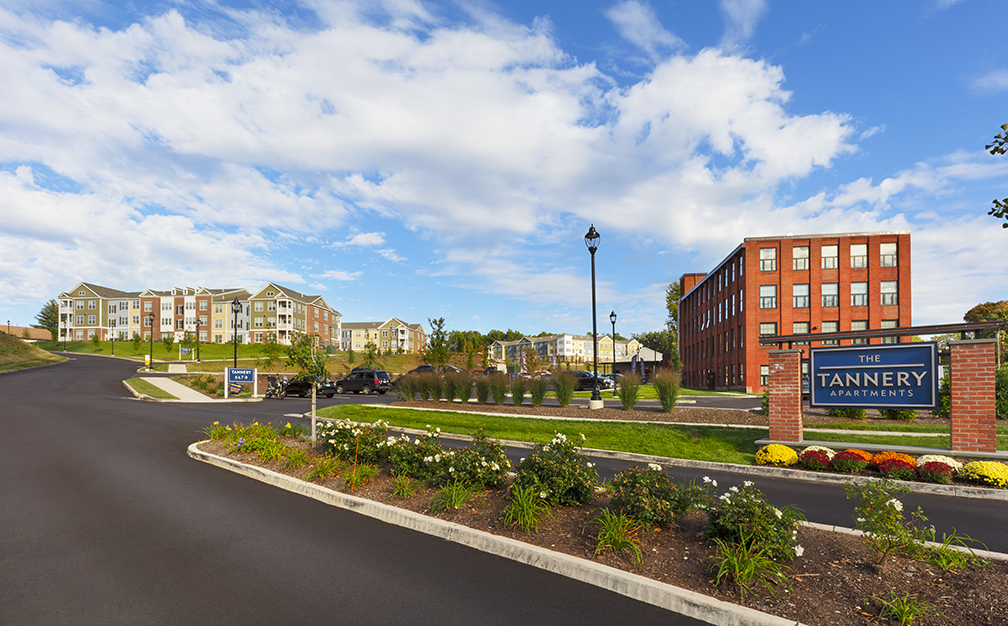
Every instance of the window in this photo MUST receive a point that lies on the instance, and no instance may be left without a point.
(136, 304)
(768, 296)
(325, 316)
(136, 319)
(80, 320)
(889, 324)
(271, 306)
(147, 306)
(830, 295)
(258, 337)
(830, 327)
(768, 328)
(888, 254)
(91, 320)
(218, 308)
(112, 309)
(316, 326)
(218, 323)
(829, 257)
(799, 258)
(768, 259)
(859, 255)
(258, 322)
(202, 305)
(859, 294)
(146, 322)
(80, 293)
(800, 328)
(859, 325)
(384, 333)
(92, 304)
(890, 293)
(270, 293)
(800, 296)
(80, 305)
(179, 325)
(258, 306)
(180, 310)
(764, 375)
(384, 344)
(203, 335)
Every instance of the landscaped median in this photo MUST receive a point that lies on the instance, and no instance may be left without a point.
(721, 541)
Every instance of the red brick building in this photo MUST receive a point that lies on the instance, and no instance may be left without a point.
(783, 286)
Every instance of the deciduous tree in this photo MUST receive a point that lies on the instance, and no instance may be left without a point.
(48, 318)
(1000, 146)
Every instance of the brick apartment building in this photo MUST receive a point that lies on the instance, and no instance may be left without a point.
(794, 284)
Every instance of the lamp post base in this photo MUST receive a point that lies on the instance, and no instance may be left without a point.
(596, 404)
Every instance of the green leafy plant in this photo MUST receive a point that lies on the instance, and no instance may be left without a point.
(650, 496)
(1001, 392)
(409, 457)
(358, 475)
(666, 384)
(944, 389)
(558, 469)
(857, 414)
(137, 341)
(272, 450)
(452, 495)
(326, 467)
(617, 532)
(748, 563)
(168, 341)
(743, 515)
(526, 508)
(360, 443)
(296, 458)
(879, 516)
(538, 387)
(564, 384)
(904, 609)
(629, 391)
(952, 552)
(499, 385)
(95, 340)
(765, 401)
(216, 431)
(518, 387)
(404, 487)
(899, 414)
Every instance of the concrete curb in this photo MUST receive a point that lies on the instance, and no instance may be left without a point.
(681, 601)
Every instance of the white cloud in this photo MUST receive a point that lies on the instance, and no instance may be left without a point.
(874, 130)
(992, 82)
(741, 17)
(638, 23)
(366, 239)
(338, 275)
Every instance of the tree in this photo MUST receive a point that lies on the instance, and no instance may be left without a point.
(168, 341)
(672, 296)
(303, 355)
(437, 348)
(48, 318)
(370, 353)
(350, 354)
(663, 341)
(95, 340)
(271, 350)
(137, 340)
(1000, 146)
(990, 312)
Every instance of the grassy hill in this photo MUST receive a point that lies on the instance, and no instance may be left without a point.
(16, 354)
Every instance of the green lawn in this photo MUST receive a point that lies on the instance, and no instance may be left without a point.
(144, 387)
(648, 391)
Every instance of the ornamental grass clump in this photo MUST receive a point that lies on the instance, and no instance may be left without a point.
(449, 386)
(518, 387)
(650, 497)
(629, 391)
(748, 564)
(776, 454)
(538, 387)
(666, 385)
(482, 389)
(744, 516)
(465, 387)
(849, 461)
(499, 385)
(407, 387)
(987, 473)
(564, 384)
(558, 469)
(897, 469)
(879, 515)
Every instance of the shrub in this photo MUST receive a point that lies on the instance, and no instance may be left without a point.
(564, 384)
(498, 387)
(936, 472)
(881, 457)
(483, 465)
(558, 469)
(666, 384)
(765, 401)
(518, 387)
(897, 469)
(629, 390)
(406, 456)
(879, 515)
(537, 388)
(482, 390)
(1001, 392)
(849, 461)
(526, 508)
(940, 458)
(360, 443)
(944, 401)
(899, 414)
(814, 459)
(857, 414)
(776, 454)
(407, 387)
(650, 496)
(744, 516)
(986, 473)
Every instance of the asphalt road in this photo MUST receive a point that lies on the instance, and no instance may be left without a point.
(105, 520)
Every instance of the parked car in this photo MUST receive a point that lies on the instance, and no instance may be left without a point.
(586, 381)
(302, 387)
(426, 367)
(364, 381)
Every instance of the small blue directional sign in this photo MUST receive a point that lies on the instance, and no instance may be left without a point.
(889, 376)
(240, 374)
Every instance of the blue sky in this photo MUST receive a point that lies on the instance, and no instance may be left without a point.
(436, 159)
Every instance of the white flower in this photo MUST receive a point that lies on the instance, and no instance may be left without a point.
(582, 437)
(747, 483)
(798, 550)
(451, 469)
(733, 488)
(706, 479)
(896, 504)
(778, 513)
(726, 497)
(542, 494)
(654, 466)
(590, 464)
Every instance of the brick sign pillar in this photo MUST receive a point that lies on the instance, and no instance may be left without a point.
(785, 395)
(972, 402)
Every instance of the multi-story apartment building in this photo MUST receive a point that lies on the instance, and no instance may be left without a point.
(88, 310)
(224, 321)
(795, 284)
(286, 313)
(391, 335)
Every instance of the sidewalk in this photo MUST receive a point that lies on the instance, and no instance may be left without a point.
(180, 391)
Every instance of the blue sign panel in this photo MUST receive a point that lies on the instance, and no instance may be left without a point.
(240, 374)
(891, 376)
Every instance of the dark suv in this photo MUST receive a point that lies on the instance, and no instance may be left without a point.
(365, 381)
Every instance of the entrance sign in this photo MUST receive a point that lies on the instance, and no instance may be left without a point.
(888, 376)
(235, 376)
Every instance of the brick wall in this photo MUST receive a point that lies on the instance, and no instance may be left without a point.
(972, 402)
(785, 395)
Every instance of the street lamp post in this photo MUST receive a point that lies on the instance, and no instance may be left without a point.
(112, 326)
(612, 318)
(236, 307)
(65, 331)
(197, 338)
(151, 318)
(592, 241)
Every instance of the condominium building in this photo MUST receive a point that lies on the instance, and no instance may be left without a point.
(796, 284)
(284, 312)
(391, 335)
